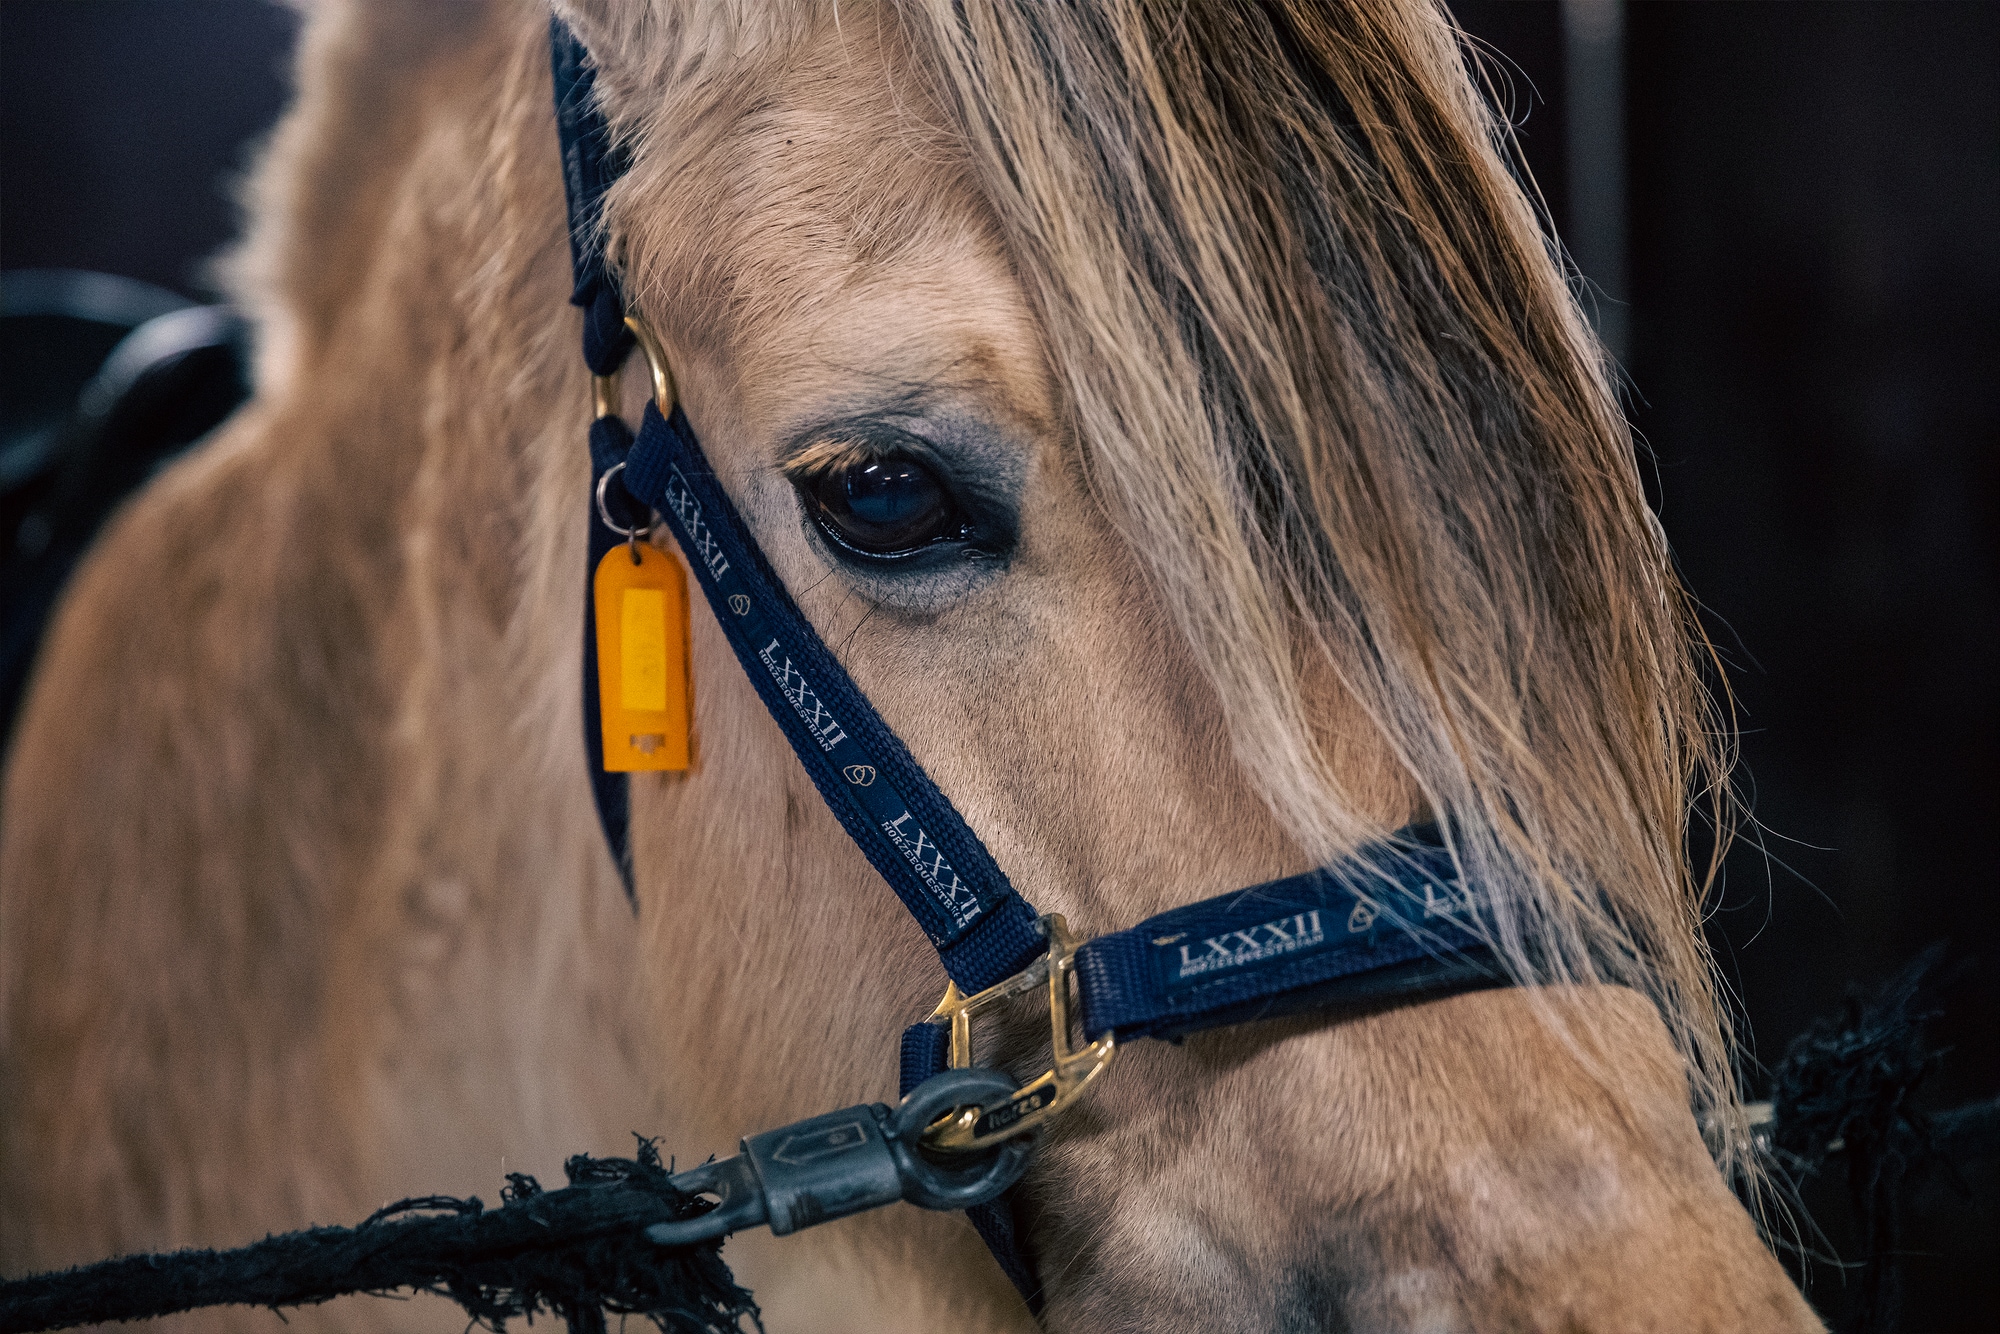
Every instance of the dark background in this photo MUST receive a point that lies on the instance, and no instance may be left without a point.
(1802, 270)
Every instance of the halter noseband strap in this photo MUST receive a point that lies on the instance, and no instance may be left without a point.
(1392, 922)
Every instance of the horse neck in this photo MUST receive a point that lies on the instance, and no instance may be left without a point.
(406, 267)
(427, 407)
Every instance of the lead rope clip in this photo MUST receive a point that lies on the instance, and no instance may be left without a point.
(851, 1161)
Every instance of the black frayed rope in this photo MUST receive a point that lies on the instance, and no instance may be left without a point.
(575, 1253)
(1847, 1088)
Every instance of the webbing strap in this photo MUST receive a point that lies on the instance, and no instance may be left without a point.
(591, 164)
(1392, 919)
(588, 171)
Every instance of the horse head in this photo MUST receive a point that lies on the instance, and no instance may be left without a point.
(1175, 421)
(1178, 428)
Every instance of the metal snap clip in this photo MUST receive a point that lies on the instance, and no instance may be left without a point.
(850, 1161)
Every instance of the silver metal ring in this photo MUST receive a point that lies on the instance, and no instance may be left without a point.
(604, 510)
(972, 1179)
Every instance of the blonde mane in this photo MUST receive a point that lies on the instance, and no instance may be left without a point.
(1328, 379)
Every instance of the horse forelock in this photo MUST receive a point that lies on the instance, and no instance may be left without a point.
(1332, 388)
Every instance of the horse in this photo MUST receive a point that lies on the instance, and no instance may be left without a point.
(1276, 497)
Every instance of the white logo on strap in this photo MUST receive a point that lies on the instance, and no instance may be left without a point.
(1234, 949)
(688, 510)
(956, 896)
(803, 698)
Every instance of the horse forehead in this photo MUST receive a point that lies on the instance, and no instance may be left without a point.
(822, 209)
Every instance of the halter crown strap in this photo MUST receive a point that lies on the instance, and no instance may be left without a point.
(589, 168)
(591, 163)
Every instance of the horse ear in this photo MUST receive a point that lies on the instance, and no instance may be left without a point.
(661, 35)
(601, 25)
(597, 23)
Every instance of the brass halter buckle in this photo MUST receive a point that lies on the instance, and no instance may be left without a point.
(973, 1129)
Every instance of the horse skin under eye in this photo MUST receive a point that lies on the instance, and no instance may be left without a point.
(884, 507)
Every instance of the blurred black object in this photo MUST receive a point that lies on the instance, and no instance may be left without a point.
(102, 380)
(127, 124)
(1847, 1089)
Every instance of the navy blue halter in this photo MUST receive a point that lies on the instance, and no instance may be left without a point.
(1262, 951)
(1391, 922)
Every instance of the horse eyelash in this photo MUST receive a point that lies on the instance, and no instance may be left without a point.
(845, 449)
(830, 454)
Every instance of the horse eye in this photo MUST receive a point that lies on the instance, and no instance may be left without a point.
(884, 506)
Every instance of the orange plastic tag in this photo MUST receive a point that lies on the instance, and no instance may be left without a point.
(644, 694)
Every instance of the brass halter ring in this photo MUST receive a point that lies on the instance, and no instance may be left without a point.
(604, 388)
(974, 1129)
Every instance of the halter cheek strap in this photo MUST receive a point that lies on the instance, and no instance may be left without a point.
(1391, 922)
(982, 930)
